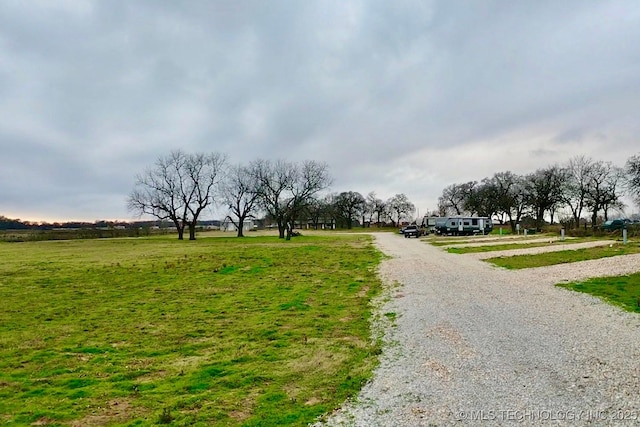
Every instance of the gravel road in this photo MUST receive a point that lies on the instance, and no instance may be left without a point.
(477, 345)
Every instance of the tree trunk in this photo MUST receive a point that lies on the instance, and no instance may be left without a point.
(180, 228)
(281, 230)
(540, 219)
(240, 226)
(192, 231)
(576, 218)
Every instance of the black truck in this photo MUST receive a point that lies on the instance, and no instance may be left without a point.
(412, 231)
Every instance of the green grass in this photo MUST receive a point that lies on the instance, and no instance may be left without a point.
(446, 241)
(561, 257)
(507, 247)
(623, 291)
(220, 331)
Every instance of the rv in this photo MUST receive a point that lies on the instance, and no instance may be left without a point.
(429, 223)
(463, 225)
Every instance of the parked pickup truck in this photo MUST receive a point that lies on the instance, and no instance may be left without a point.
(412, 231)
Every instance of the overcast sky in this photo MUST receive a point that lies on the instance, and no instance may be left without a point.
(396, 96)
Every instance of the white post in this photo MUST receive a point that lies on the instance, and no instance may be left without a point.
(518, 229)
(562, 234)
(624, 235)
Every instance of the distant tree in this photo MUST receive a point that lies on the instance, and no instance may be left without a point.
(285, 189)
(13, 224)
(240, 194)
(632, 169)
(178, 188)
(329, 208)
(374, 207)
(380, 210)
(510, 196)
(349, 205)
(614, 191)
(574, 194)
(455, 197)
(318, 211)
(603, 189)
(399, 206)
(481, 200)
(544, 191)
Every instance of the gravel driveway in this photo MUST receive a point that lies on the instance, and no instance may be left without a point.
(475, 344)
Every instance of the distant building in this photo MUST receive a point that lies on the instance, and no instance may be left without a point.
(227, 225)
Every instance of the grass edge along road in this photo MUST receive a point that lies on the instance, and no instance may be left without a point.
(220, 331)
(622, 291)
(509, 246)
(562, 257)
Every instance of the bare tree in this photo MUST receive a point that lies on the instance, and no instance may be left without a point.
(544, 191)
(574, 195)
(273, 181)
(399, 207)
(455, 197)
(373, 207)
(349, 205)
(510, 196)
(380, 210)
(240, 194)
(632, 169)
(614, 190)
(178, 188)
(482, 199)
(603, 190)
(318, 210)
(286, 188)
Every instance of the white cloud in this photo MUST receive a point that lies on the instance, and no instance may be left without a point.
(396, 96)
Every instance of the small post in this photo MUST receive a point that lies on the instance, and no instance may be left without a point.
(518, 228)
(525, 232)
(624, 235)
(501, 231)
(562, 234)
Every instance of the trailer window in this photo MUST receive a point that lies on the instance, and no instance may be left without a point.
(466, 223)
(474, 221)
(453, 223)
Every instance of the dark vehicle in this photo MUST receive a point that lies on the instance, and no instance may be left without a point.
(614, 224)
(412, 231)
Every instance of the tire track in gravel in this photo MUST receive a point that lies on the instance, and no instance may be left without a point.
(477, 343)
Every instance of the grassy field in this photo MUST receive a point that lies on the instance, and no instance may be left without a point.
(623, 291)
(220, 331)
(561, 257)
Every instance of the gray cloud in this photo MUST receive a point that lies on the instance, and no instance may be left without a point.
(396, 96)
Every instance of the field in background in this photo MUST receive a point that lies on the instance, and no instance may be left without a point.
(224, 331)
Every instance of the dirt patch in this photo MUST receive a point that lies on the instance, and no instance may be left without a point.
(117, 411)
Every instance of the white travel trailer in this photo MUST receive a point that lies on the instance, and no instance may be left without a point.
(463, 225)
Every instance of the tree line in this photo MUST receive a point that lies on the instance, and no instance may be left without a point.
(180, 186)
(580, 186)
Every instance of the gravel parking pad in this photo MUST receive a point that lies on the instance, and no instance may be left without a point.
(553, 247)
(475, 344)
